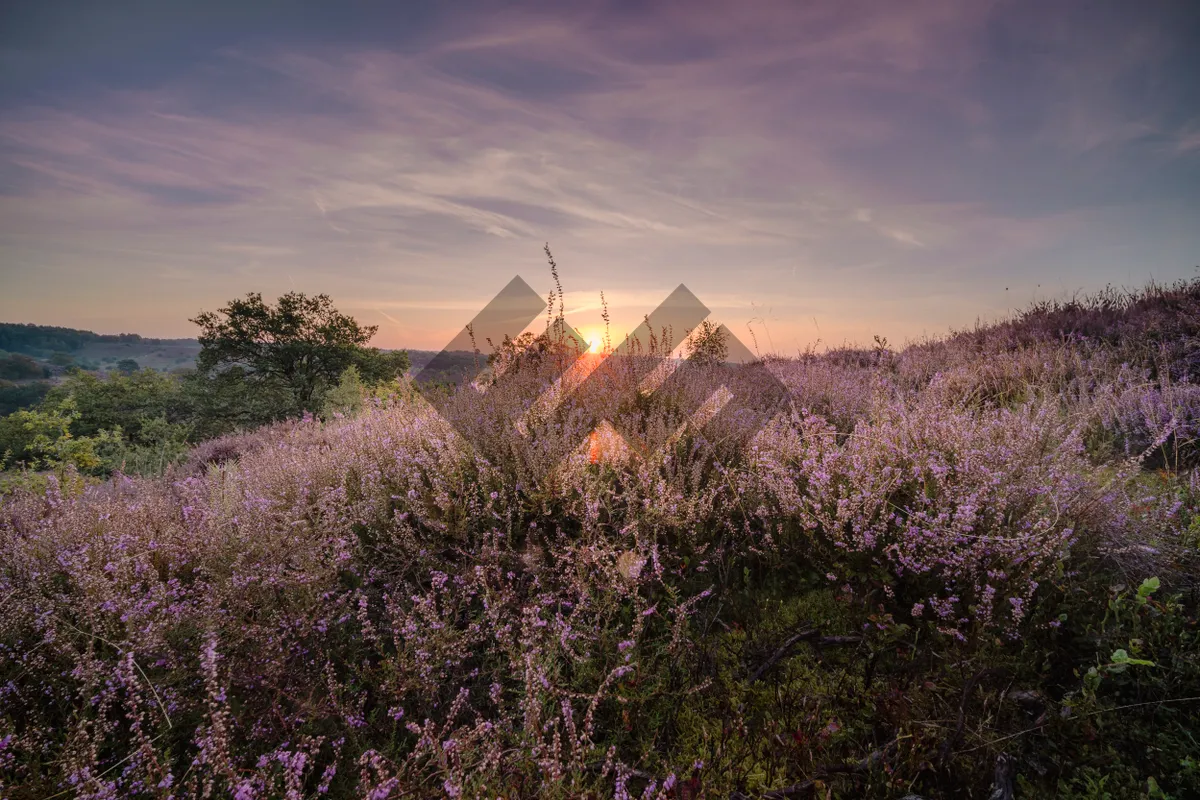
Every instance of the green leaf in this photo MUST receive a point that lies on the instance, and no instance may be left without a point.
(1120, 660)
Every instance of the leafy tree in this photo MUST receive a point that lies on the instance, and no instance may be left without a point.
(258, 363)
(225, 401)
(303, 343)
(347, 397)
(122, 401)
(378, 366)
(20, 367)
(160, 444)
(61, 359)
(14, 397)
(83, 421)
(42, 439)
(19, 429)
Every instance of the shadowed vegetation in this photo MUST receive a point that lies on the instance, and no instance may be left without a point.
(961, 570)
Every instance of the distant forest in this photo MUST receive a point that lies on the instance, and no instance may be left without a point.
(42, 340)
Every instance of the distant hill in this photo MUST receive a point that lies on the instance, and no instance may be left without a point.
(57, 347)
(101, 352)
(44, 340)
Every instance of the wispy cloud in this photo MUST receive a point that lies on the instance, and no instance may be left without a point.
(792, 152)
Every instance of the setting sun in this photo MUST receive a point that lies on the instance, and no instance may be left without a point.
(594, 339)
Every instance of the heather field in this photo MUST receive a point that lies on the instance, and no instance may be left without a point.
(964, 569)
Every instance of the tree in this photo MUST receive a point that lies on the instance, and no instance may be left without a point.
(42, 439)
(127, 402)
(303, 343)
(19, 367)
(347, 397)
(14, 397)
(61, 359)
(224, 401)
(127, 366)
(378, 366)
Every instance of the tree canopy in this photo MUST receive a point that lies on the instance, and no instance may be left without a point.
(20, 367)
(302, 344)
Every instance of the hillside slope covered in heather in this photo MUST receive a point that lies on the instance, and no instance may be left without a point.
(961, 570)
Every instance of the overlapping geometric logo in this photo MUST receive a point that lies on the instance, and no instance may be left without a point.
(745, 394)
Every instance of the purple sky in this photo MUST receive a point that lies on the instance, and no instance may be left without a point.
(829, 170)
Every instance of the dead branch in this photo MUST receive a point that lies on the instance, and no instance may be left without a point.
(949, 744)
(811, 635)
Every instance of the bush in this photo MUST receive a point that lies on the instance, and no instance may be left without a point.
(129, 402)
(18, 367)
(14, 397)
(345, 399)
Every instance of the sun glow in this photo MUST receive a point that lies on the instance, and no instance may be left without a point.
(594, 339)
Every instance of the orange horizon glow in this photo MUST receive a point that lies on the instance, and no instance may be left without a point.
(594, 339)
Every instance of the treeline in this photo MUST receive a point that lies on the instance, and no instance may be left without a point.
(42, 340)
(258, 364)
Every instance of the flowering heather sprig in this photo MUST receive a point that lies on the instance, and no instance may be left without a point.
(970, 505)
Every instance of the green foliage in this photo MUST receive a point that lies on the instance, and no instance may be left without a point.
(42, 439)
(1148, 587)
(20, 367)
(377, 366)
(347, 397)
(125, 401)
(303, 343)
(19, 432)
(127, 366)
(1123, 667)
(17, 396)
(136, 423)
(41, 340)
(224, 401)
(60, 359)
(160, 444)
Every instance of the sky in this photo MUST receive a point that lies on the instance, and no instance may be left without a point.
(817, 173)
